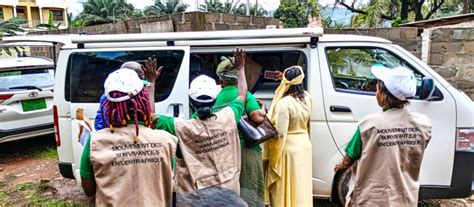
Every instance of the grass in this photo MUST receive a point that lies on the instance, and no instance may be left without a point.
(30, 193)
(44, 153)
(3, 197)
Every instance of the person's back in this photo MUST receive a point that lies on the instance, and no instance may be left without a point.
(387, 148)
(212, 150)
(397, 140)
(251, 179)
(299, 113)
(209, 143)
(128, 164)
(129, 173)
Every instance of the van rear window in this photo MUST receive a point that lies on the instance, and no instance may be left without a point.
(87, 71)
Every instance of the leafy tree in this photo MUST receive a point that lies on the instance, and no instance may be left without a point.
(168, 7)
(212, 6)
(50, 25)
(138, 13)
(378, 10)
(328, 23)
(105, 11)
(256, 11)
(455, 7)
(231, 7)
(296, 13)
(11, 27)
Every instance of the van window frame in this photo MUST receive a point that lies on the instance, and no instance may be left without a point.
(67, 85)
(437, 94)
(229, 49)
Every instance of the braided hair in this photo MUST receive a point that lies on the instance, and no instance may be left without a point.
(137, 107)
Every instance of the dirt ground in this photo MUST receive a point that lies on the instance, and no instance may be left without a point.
(29, 176)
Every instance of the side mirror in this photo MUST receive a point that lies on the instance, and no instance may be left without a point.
(426, 89)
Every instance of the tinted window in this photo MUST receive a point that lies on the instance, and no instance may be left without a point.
(350, 67)
(87, 72)
(25, 79)
(256, 65)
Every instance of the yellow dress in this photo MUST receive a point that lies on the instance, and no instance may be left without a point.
(287, 159)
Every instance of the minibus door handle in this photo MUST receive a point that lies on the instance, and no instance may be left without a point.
(334, 108)
(175, 110)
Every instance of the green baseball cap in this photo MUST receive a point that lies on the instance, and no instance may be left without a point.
(225, 69)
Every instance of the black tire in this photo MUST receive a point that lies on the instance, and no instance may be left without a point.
(342, 186)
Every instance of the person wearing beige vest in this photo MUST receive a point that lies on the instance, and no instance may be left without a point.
(387, 149)
(128, 164)
(209, 147)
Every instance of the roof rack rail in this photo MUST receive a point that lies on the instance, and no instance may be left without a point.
(207, 35)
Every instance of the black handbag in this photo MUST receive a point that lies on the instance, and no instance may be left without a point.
(255, 134)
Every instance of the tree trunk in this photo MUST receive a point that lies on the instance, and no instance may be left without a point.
(404, 10)
(466, 6)
(418, 14)
(256, 8)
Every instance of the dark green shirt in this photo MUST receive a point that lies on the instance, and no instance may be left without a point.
(86, 164)
(227, 95)
(354, 148)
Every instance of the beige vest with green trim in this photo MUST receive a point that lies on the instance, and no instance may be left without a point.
(211, 152)
(129, 174)
(387, 173)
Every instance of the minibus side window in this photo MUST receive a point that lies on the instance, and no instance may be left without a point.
(87, 72)
(350, 67)
(256, 65)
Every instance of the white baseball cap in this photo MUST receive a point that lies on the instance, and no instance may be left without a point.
(123, 80)
(400, 81)
(201, 86)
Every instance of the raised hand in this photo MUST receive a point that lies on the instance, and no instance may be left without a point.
(152, 72)
(239, 56)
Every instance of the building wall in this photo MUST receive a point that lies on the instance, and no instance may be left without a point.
(7, 12)
(35, 13)
(451, 54)
(406, 37)
(26, 3)
(45, 15)
(192, 21)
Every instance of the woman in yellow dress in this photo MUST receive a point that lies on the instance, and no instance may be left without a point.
(287, 159)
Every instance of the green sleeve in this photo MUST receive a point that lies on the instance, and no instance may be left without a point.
(354, 148)
(165, 123)
(86, 164)
(238, 107)
(251, 104)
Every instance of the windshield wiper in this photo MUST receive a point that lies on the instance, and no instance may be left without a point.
(27, 87)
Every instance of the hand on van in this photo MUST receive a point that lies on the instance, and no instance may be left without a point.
(151, 69)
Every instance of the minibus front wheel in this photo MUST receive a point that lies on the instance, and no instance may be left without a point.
(341, 186)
